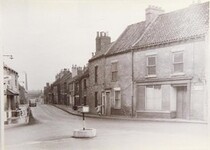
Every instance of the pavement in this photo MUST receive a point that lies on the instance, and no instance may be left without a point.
(69, 110)
(51, 128)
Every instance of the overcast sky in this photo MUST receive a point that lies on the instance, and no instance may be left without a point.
(45, 36)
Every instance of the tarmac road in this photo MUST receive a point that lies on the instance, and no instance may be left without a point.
(52, 129)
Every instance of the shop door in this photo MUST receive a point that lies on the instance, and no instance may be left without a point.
(103, 103)
(181, 106)
(108, 103)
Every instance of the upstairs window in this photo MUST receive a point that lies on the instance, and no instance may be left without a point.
(114, 71)
(96, 99)
(71, 87)
(76, 87)
(178, 62)
(96, 74)
(151, 65)
(85, 83)
(15, 82)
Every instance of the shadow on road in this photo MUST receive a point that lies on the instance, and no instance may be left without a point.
(32, 120)
(57, 138)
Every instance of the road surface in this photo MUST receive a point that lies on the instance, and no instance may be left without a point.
(51, 129)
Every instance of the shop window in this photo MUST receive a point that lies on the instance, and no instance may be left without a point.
(153, 97)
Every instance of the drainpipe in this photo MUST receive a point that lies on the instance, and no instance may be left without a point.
(132, 90)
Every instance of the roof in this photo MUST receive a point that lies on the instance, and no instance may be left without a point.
(177, 25)
(131, 34)
(10, 69)
(100, 53)
(170, 27)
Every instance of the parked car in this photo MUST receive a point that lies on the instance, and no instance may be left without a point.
(32, 102)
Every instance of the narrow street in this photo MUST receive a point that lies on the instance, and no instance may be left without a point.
(51, 128)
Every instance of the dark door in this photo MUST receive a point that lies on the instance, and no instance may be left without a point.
(181, 106)
(103, 103)
(108, 101)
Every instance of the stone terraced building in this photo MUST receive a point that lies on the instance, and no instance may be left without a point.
(155, 69)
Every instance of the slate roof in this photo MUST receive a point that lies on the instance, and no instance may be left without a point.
(170, 27)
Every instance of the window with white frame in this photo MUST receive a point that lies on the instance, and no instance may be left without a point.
(117, 99)
(178, 62)
(153, 97)
(114, 71)
(151, 65)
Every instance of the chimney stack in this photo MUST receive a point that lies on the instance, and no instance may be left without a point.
(102, 41)
(152, 12)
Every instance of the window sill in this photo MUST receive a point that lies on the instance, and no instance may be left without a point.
(151, 76)
(178, 74)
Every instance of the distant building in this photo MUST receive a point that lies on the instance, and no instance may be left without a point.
(11, 93)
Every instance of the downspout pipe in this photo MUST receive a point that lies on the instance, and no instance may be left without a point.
(132, 77)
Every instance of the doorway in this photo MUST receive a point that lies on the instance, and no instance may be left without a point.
(103, 103)
(108, 103)
(181, 107)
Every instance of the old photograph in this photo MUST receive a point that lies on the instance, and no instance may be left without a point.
(104, 75)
